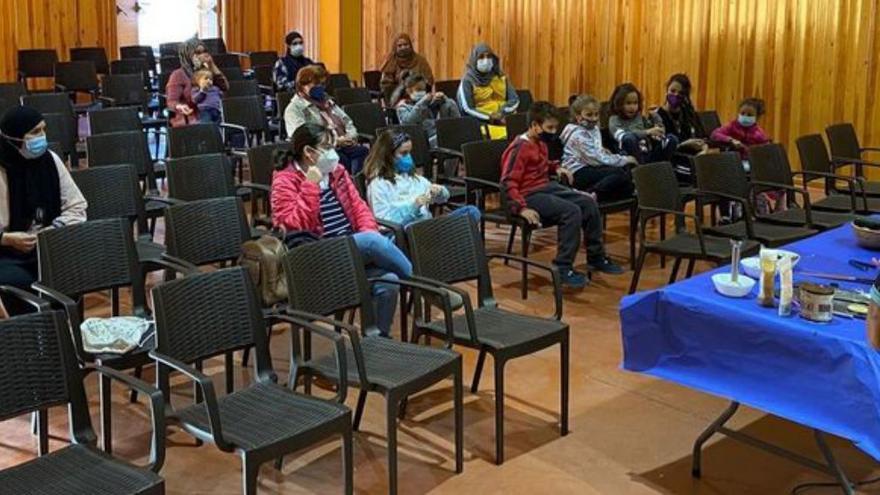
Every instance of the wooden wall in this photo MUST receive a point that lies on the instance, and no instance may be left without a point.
(815, 62)
(250, 25)
(59, 24)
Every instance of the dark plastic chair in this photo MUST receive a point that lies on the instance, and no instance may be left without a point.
(234, 74)
(171, 49)
(710, 121)
(517, 124)
(77, 77)
(207, 231)
(654, 181)
(448, 88)
(263, 74)
(123, 147)
(36, 63)
(261, 160)
(263, 58)
(94, 54)
(121, 90)
(53, 103)
(12, 92)
(139, 51)
(367, 117)
(169, 64)
(117, 119)
(204, 177)
(351, 96)
(192, 140)
(451, 135)
(61, 130)
(770, 169)
(214, 46)
(89, 257)
(226, 60)
(525, 100)
(815, 165)
(372, 80)
(40, 371)
(337, 81)
(846, 151)
(128, 66)
(721, 178)
(449, 250)
(327, 278)
(245, 87)
(245, 114)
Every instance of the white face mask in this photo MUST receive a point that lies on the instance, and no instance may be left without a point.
(297, 49)
(418, 95)
(327, 162)
(484, 65)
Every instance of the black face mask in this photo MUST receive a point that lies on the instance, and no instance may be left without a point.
(547, 137)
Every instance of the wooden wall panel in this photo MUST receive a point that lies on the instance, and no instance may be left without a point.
(250, 25)
(59, 24)
(814, 62)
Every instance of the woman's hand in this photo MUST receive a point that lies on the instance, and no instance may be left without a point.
(314, 175)
(183, 109)
(343, 141)
(20, 241)
(423, 200)
(736, 143)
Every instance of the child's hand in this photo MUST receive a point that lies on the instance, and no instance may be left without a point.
(656, 132)
(436, 190)
(531, 216)
(566, 174)
(736, 143)
(423, 200)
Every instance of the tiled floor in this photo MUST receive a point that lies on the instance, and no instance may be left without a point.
(629, 434)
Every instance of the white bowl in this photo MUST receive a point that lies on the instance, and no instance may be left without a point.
(752, 266)
(725, 286)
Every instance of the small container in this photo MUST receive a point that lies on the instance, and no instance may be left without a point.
(786, 286)
(768, 278)
(817, 302)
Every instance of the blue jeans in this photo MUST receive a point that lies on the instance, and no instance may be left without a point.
(468, 210)
(383, 260)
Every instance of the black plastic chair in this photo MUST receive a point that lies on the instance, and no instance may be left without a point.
(59, 129)
(89, 257)
(40, 371)
(261, 58)
(7, 104)
(337, 81)
(207, 231)
(196, 139)
(448, 88)
(204, 177)
(721, 178)
(815, 165)
(36, 63)
(170, 49)
(214, 46)
(128, 66)
(449, 250)
(328, 278)
(654, 181)
(517, 124)
(234, 74)
(846, 151)
(12, 92)
(77, 77)
(263, 74)
(54, 103)
(245, 114)
(245, 87)
(261, 161)
(117, 119)
(168, 64)
(525, 100)
(367, 117)
(770, 169)
(210, 314)
(351, 96)
(120, 90)
(709, 121)
(226, 61)
(139, 51)
(123, 147)
(372, 80)
(94, 54)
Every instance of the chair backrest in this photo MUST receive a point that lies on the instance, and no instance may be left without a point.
(40, 370)
(61, 129)
(169, 64)
(196, 139)
(94, 54)
(452, 133)
(244, 87)
(517, 123)
(421, 148)
(657, 187)
(125, 89)
(263, 74)
(226, 60)
(206, 314)
(328, 276)
(350, 96)
(450, 249)
(7, 104)
(448, 88)
(769, 163)
(139, 51)
(337, 81)
(722, 173)
(37, 62)
(246, 111)
(367, 117)
(233, 74)
(482, 159)
(525, 100)
(114, 120)
(12, 91)
(263, 58)
(199, 177)
(50, 103)
(709, 120)
(171, 49)
(131, 66)
(114, 148)
(813, 154)
(215, 46)
(76, 76)
(843, 141)
(206, 231)
(261, 160)
(112, 192)
(372, 80)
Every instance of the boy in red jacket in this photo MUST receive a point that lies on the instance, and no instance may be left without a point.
(525, 174)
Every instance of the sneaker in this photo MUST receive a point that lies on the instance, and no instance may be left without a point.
(605, 265)
(572, 279)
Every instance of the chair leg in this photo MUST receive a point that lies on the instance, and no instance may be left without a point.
(249, 472)
(674, 274)
(526, 240)
(230, 376)
(662, 238)
(690, 269)
(133, 397)
(459, 419)
(510, 240)
(392, 407)
(404, 311)
(106, 428)
(475, 384)
(42, 426)
(499, 411)
(359, 410)
(197, 392)
(563, 386)
(244, 357)
(633, 227)
(634, 284)
(348, 461)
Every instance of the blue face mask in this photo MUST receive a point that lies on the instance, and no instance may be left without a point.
(404, 164)
(34, 147)
(747, 120)
(318, 93)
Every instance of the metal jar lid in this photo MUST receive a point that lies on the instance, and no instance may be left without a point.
(817, 289)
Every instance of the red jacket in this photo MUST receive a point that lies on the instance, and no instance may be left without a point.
(296, 201)
(525, 168)
(749, 136)
(178, 91)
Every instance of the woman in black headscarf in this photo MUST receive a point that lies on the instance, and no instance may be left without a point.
(36, 192)
(287, 67)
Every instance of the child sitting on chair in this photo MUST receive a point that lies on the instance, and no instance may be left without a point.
(207, 97)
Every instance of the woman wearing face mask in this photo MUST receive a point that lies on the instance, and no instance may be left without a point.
(288, 66)
(680, 120)
(193, 57)
(594, 169)
(312, 105)
(313, 192)
(36, 193)
(418, 106)
(397, 194)
(485, 92)
(401, 62)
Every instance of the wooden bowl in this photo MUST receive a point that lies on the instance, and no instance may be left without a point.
(867, 238)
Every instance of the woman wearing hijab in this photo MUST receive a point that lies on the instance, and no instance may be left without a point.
(36, 193)
(193, 56)
(485, 92)
(288, 66)
(403, 61)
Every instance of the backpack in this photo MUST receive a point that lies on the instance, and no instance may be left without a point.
(262, 259)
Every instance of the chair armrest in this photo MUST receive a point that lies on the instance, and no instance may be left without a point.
(338, 345)
(157, 411)
(852, 181)
(440, 293)
(163, 199)
(802, 191)
(25, 296)
(239, 54)
(70, 307)
(181, 266)
(481, 182)
(697, 219)
(869, 148)
(465, 299)
(353, 335)
(397, 230)
(449, 153)
(554, 274)
(110, 101)
(61, 88)
(207, 388)
(747, 207)
(235, 127)
(840, 161)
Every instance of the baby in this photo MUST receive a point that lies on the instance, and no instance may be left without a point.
(207, 97)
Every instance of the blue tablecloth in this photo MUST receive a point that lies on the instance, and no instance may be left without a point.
(823, 376)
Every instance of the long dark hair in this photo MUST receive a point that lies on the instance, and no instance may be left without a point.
(688, 114)
(304, 135)
(619, 95)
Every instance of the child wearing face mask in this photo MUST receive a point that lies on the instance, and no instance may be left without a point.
(594, 168)
(418, 106)
(288, 66)
(680, 119)
(396, 193)
(207, 97)
(641, 137)
(485, 92)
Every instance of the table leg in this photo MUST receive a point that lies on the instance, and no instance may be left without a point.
(833, 465)
(707, 434)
